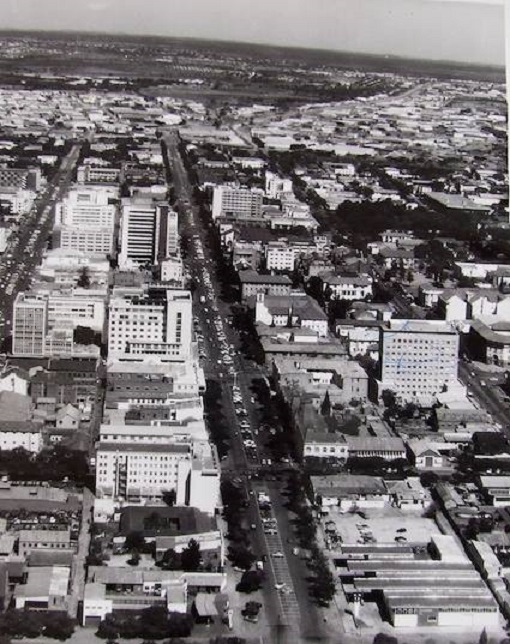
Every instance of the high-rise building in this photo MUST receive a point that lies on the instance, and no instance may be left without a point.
(20, 178)
(419, 358)
(44, 322)
(150, 321)
(85, 220)
(29, 324)
(87, 207)
(92, 242)
(148, 232)
(229, 201)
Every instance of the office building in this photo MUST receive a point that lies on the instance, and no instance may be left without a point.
(85, 221)
(20, 178)
(89, 173)
(145, 462)
(236, 202)
(150, 321)
(418, 359)
(92, 242)
(148, 232)
(44, 322)
(87, 207)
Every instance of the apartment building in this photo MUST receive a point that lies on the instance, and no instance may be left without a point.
(418, 358)
(150, 321)
(229, 201)
(148, 232)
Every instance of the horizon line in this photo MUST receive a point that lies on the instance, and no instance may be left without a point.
(4, 30)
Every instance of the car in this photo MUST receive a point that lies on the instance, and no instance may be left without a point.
(277, 555)
(279, 585)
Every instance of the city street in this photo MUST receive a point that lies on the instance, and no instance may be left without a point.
(18, 262)
(292, 614)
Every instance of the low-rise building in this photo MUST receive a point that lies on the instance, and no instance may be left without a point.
(496, 489)
(348, 491)
(347, 287)
(30, 540)
(252, 283)
(46, 588)
(372, 446)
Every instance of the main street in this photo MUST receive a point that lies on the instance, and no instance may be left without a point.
(290, 616)
(27, 245)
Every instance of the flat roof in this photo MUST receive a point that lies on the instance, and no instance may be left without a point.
(420, 326)
(455, 201)
(122, 446)
(252, 277)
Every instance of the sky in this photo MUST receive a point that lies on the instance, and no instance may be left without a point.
(470, 31)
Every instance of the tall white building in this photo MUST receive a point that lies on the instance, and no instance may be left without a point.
(88, 207)
(150, 321)
(85, 220)
(236, 202)
(142, 463)
(419, 359)
(93, 242)
(148, 232)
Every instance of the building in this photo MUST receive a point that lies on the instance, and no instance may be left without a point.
(148, 232)
(252, 283)
(388, 448)
(46, 588)
(441, 589)
(29, 540)
(455, 204)
(88, 207)
(425, 455)
(347, 287)
(172, 270)
(496, 489)
(94, 242)
(276, 186)
(418, 359)
(144, 471)
(150, 321)
(144, 461)
(112, 588)
(325, 445)
(85, 220)
(294, 310)
(489, 342)
(97, 174)
(234, 202)
(5, 233)
(20, 178)
(44, 321)
(29, 325)
(349, 491)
